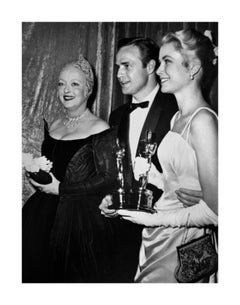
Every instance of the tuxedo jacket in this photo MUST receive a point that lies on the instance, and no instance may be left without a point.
(128, 236)
(163, 108)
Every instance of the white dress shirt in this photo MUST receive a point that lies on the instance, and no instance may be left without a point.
(137, 119)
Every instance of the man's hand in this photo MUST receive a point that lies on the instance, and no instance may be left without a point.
(189, 197)
(107, 202)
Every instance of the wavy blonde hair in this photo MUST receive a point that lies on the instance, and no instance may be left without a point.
(86, 68)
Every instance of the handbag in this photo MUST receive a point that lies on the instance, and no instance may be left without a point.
(196, 259)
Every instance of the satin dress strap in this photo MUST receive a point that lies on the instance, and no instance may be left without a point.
(188, 125)
(173, 120)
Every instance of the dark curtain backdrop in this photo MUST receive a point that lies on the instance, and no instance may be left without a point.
(47, 46)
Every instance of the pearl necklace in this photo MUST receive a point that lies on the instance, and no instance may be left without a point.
(74, 121)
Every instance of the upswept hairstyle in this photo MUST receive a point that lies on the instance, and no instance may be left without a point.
(202, 48)
(148, 48)
(86, 68)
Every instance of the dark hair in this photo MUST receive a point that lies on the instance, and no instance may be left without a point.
(148, 48)
(203, 48)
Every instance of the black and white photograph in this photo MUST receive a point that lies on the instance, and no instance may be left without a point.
(120, 152)
(121, 146)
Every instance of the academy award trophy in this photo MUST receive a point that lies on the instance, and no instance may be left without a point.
(119, 196)
(140, 198)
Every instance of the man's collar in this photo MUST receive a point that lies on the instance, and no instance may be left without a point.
(150, 97)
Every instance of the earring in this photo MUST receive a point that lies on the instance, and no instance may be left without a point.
(191, 76)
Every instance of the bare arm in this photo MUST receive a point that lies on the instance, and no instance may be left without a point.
(203, 137)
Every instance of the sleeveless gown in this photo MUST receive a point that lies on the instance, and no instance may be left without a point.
(158, 255)
(42, 230)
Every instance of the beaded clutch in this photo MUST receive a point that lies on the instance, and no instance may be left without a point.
(196, 259)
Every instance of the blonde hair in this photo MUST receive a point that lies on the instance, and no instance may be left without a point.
(86, 68)
(192, 43)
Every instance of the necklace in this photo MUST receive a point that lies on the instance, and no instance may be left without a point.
(74, 121)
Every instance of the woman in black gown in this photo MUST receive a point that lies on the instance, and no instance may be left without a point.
(64, 236)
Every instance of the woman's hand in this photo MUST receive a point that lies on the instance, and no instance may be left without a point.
(138, 217)
(107, 202)
(51, 188)
(189, 197)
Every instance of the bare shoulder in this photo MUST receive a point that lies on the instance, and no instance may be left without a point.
(204, 121)
(55, 125)
(204, 130)
(98, 124)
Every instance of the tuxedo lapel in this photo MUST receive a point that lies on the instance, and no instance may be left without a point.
(123, 135)
(167, 108)
(164, 106)
(158, 120)
(153, 117)
(124, 127)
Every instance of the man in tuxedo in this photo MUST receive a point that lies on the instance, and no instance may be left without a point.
(149, 108)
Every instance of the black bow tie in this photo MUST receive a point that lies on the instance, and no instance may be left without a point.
(133, 106)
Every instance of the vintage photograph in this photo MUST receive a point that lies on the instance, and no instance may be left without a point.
(119, 152)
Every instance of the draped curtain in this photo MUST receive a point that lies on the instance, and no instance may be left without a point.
(47, 46)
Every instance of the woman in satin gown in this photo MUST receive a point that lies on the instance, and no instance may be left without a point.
(64, 236)
(188, 156)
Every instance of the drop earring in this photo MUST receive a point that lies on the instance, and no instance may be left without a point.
(191, 76)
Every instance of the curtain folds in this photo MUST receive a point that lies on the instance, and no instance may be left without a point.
(47, 46)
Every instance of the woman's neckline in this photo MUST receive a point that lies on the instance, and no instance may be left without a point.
(190, 116)
(182, 139)
(70, 140)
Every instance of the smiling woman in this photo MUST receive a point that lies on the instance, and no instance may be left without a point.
(185, 56)
(188, 156)
(75, 85)
(64, 237)
(72, 87)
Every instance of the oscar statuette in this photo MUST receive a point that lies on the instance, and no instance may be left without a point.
(139, 198)
(142, 196)
(119, 197)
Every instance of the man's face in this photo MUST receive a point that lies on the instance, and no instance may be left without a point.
(132, 76)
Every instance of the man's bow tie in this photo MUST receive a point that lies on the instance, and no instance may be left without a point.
(133, 106)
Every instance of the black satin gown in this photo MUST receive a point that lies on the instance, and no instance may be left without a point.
(65, 238)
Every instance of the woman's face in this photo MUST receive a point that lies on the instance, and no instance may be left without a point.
(72, 89)
(173, 73)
